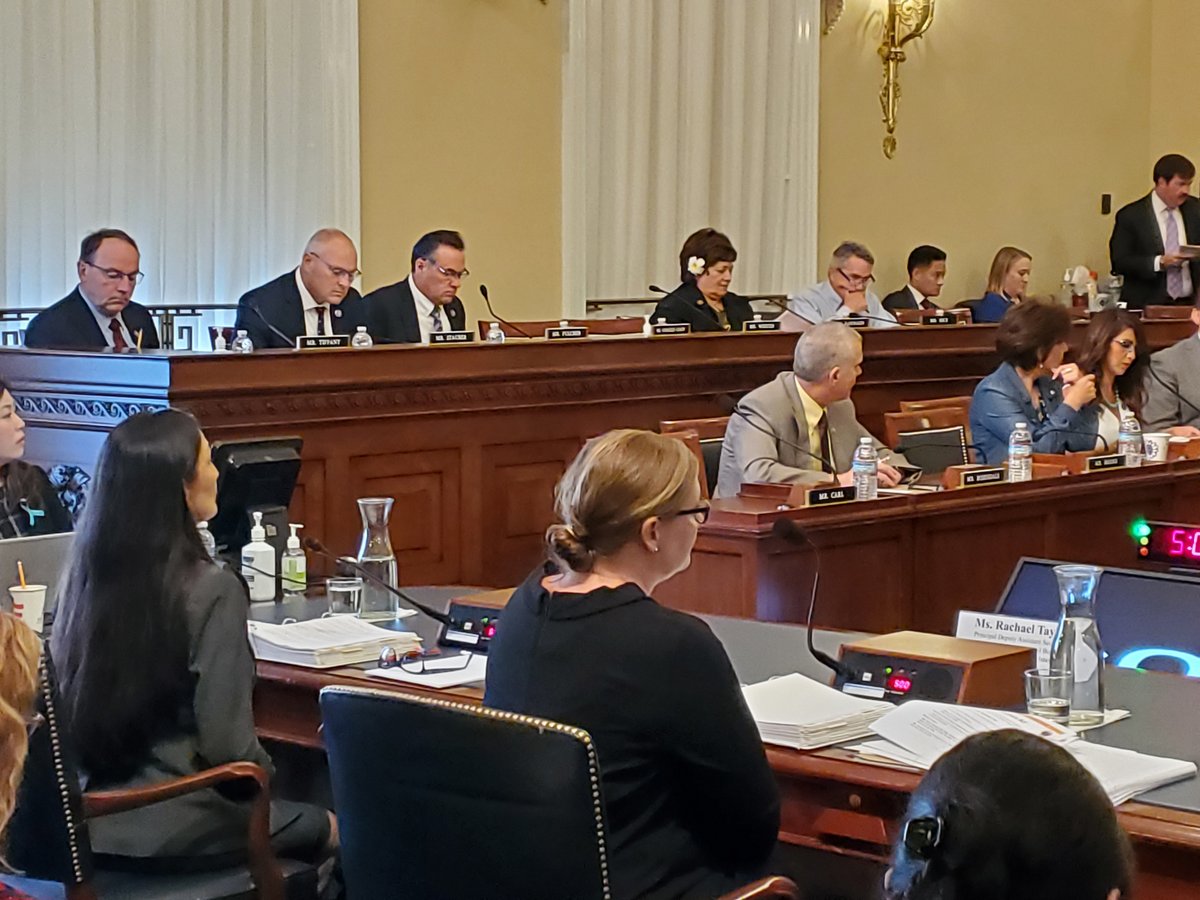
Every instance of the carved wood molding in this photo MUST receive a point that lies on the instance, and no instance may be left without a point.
(60, 409)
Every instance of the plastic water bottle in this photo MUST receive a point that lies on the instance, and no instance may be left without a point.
(865, 468)
(1020, 453)
(361, 338)
(242, 343)
(495, 334)
(207, 539)
(1129, 440)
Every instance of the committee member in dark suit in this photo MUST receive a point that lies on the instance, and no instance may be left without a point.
(703, 300)
(29, 505)
(691, 805)
(1008, 280)
(100, 312)
(154, 664)
(1147, 235)
(1173, 395)
(315, 298)
(926, 275)
(1033, 386)
(408, 311)
(801, 427)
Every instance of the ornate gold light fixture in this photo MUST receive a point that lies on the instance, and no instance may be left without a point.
(906, 21)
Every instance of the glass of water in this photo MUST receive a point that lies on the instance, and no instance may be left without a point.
(1048, 694)
(345, 596)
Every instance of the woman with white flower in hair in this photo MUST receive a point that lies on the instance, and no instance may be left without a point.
(703, 300)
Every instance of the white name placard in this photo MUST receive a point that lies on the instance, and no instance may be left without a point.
(1013, 630)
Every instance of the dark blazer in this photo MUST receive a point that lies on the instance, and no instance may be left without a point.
(392, 313)
(70, 325)
(687, 304)
(903, 299)
(690, 801)
(279, 303)
(1136, 240)
(1000, 401)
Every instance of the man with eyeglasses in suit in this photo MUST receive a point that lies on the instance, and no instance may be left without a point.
(316, 298)
(845, 294)
(409, 311)
(100, 312)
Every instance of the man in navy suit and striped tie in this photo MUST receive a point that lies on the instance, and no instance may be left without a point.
(408, 311)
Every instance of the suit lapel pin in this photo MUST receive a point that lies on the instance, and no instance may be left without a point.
(337, 313)
(450, 312)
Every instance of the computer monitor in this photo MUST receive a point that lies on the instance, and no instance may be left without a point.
(1148, 620)
(253, 475)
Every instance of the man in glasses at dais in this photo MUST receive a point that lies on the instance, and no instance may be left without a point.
(845, 294)
(408, 311)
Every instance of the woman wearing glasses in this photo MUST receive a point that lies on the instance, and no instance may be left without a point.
(703, 300)
(29, 505)
(691, 806)
(1008, 279)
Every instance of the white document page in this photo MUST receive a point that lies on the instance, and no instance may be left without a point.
(439, 674)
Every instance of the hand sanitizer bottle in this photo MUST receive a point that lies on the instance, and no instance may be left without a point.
(258, 564)
(294, 565)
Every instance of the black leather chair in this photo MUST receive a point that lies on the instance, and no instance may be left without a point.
(48, 835)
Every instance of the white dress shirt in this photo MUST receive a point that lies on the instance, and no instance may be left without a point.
(103, 321)
(310, 310)
(425, 308)
(1160, 216)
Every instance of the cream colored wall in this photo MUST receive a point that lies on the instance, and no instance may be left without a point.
(460, 103)
(1015, 118)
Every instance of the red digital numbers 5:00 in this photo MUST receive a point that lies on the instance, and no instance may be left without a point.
(1184, 542)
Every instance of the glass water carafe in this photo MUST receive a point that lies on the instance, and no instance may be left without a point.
(1077, 650)
(376, 558)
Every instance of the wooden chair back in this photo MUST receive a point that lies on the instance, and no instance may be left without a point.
(935, 403)
(705, 438)
(895, 423)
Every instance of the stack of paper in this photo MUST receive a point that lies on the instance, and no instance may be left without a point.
(916, 733)
(323, 643)
(799, 712)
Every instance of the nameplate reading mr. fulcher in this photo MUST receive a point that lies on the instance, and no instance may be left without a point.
(1109, 461)
(762, 325)
(660, 329)
(322, 341)
(829, 495)
(940, 319)
(566, 333)
(977, 477)
(451, 337)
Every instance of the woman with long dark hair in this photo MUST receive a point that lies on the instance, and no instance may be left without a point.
(28, 504)
(153, 658)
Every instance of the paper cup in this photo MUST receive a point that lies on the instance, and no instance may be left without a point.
(29, 604)
(1156, 443)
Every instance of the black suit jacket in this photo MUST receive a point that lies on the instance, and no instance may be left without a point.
(70, 325)
(278, 302)
(1136, 240)
(687, 304)
(903, 299)
(392, 313)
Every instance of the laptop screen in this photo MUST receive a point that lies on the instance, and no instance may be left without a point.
(1147, 620)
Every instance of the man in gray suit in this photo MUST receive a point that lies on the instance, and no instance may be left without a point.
(1174, 386)
(801, 427)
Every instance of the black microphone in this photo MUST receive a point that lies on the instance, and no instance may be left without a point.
(1096, 436)
(1180, 396)
(858, 315)
(317, 547)
(656, 289)
(790, 531)
(735, 409)
(484, 292)
(291, 342)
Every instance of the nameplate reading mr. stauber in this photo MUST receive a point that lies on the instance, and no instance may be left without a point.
(829, 495)
(322, 341)
(451, 337)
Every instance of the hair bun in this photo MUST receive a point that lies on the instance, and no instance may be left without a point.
(564, 544)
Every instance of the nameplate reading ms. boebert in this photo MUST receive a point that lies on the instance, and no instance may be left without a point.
(829, 495)
(668, 328)
(1108, 461)
(322, 341)
(763, 325)
(566, 333)
(451, 337)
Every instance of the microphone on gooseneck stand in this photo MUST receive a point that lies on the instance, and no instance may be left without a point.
(858, 315)
(258, 312)
(317, 547)
(790, 531)
(735, 409)
(1094, 437)
(484, 293)
(1178, 395)
(657, 290)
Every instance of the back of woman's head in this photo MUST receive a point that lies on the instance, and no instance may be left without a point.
(19, 655)
(1098, 340)
(617, 481)
(1020, 819)
(1028, 332)
(120, 641)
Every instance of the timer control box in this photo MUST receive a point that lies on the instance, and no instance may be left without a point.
(911, 664)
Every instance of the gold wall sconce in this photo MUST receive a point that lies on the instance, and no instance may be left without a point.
(906, 21)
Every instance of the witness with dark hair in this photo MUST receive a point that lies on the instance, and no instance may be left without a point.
(926, 275)
(691, 806)
(1008, 280)
(703, 299)
(100, 312)
(28, 503)
(155, 667)
(1008, 816)
(1114, 350)
(408, 311)
(1033, 386)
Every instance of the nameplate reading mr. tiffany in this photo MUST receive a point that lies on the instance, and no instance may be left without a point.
(451, 337)
(1108, 461)
(940, 319)
(829, 495)
(669, 328)
(322, 341)
(762, 325)
(566, 333)
(977, 477)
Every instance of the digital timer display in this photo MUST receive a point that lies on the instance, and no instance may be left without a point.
(1178, 545)
(899, 683)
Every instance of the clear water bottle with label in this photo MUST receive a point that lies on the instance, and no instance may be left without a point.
(1020, 453)
(495, 334)
(361, 338)
(1129, 439)
(207, 539)
(865, 468)
(242, 343)
(1077, 650)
